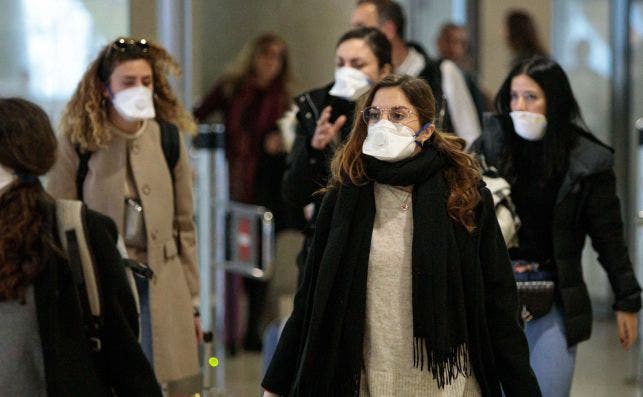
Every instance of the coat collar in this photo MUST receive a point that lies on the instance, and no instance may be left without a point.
(588, 157)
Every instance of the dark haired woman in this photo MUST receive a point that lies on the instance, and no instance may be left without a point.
(43, 346)
(252, 95)
(362, 58)
(563, 186)
(522, 37)
(111, 132)
(407, 289)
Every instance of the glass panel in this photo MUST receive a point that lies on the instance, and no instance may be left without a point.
(581, 44)
(636, 68)
(48, 45)
(426, 18)
(582, 47)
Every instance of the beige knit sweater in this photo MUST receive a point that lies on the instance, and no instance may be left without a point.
(388, 340)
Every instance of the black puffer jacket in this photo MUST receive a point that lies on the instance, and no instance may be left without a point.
(586, 205)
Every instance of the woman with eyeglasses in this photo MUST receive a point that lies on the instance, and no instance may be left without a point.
(407, 289)
(121, 153)
(564, 188)
(325, 116)
(44, 344)
(252, 96)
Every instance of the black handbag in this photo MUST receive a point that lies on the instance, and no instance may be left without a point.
(535, 298)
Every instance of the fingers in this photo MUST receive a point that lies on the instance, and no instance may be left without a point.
(627, 328)
(326, 131)
(339, 123)
(324, 116)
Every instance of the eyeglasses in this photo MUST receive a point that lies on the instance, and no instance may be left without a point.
(123, 45)
(396, 114)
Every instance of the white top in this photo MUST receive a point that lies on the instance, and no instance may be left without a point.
(462, 108)
(388, 338)
(413, 64)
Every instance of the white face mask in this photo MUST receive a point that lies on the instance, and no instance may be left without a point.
(528, 125)
(390, 142)
(350, 83)
(134, 104)
(6, 176)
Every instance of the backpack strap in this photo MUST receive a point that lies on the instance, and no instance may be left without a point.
(170, 144)
(81, 171)
(70, 221)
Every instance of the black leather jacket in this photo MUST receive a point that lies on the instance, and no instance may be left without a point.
(307, 169)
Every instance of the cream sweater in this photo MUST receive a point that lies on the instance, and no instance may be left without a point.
(388, 339)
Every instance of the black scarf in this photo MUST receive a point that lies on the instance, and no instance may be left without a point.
(332, 350)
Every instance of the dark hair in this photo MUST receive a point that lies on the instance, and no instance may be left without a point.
(564, 120)
(388, 10)
(522, 34)
(376, 41)
(28, 146)
(462, 173)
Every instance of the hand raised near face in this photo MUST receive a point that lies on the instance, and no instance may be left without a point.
(326, 131)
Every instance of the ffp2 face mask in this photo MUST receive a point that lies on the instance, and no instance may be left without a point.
(6, 176)
(135, 103)
(390, 142)
(528, 125)
(350, 83)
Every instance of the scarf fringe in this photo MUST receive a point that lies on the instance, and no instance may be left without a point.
(446, 366)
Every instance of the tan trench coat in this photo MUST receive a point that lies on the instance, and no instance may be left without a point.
(175, 286)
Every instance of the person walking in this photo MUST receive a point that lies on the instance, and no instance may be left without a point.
(121, 153)
(407, 289)
(564, 189)
(44, 343)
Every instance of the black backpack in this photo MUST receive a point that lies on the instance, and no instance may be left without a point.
(169, 142)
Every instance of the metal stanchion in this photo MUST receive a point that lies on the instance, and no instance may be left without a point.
(233, 237)
(212, 198)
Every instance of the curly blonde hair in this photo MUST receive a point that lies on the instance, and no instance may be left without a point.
(462, 172)
(84, 120)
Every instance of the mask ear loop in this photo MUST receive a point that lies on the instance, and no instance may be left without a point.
(424, 128)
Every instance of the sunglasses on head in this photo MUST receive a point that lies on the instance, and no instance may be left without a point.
(123, 46)
(127, 45)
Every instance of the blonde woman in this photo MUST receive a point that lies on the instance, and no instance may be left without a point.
(115, 156)
(407, 289)
(252, 95)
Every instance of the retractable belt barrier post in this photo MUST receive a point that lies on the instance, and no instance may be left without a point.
(212, 196)
(233, 237)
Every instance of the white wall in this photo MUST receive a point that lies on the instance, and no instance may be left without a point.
(311, 29)
(494, 54)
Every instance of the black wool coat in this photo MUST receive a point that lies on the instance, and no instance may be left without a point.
(586, 205)
(497, 346)
(71, 369)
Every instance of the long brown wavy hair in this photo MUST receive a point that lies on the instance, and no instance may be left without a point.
(84, 120)
(28, 147)
(242, 68)
(462, 172)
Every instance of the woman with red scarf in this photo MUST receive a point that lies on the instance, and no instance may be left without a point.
(251, 97)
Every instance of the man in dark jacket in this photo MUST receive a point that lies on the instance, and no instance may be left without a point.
(445, 78)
